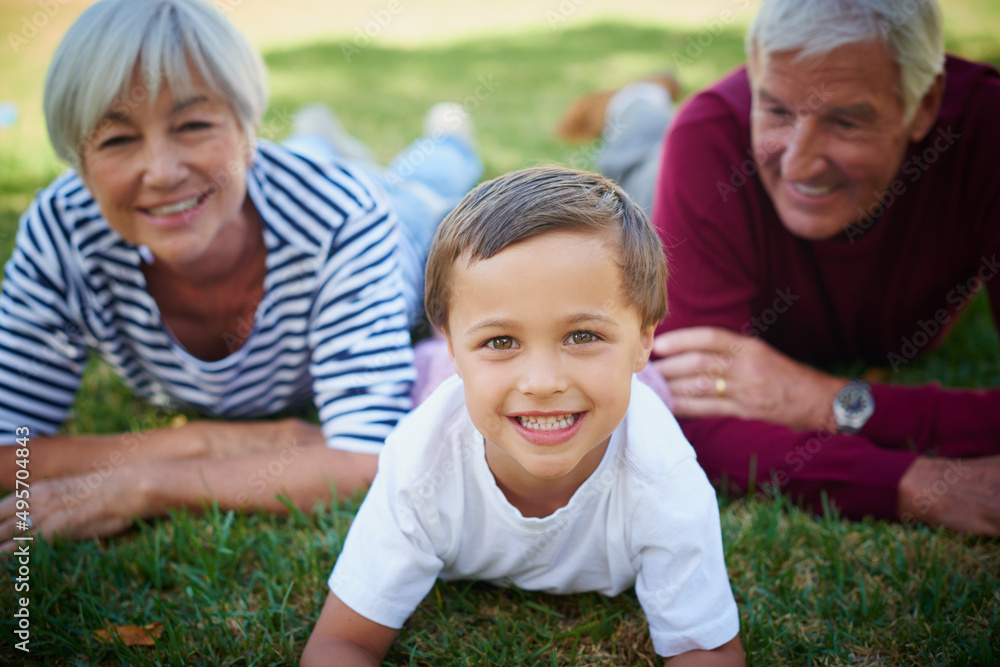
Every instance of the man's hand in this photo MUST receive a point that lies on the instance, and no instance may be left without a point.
(714, 372)
(962, 495)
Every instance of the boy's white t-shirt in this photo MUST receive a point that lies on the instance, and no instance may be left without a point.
(647, 516)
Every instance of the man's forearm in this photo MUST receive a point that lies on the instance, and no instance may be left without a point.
(821, 394)
(929, 416)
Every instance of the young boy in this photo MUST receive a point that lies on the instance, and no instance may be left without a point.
(543, 464)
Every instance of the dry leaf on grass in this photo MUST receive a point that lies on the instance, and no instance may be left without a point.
(131, 635)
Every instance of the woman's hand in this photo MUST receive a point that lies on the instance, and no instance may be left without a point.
(94, 486)
(714, 372)
(249, 465)
(77, 508)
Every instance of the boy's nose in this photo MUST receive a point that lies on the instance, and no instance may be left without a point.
(542, 376)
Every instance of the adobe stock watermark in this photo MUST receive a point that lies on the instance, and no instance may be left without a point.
(797, 458)
(429, 485)
(740, 175)
(363, 35)
(930, 495)
(902, 12)
(959, 296)
(222, 178)
(418, 152)
(32, 366)
(593, 487)
(695, 45)
(914, 168)
(562, 13)
(130, 99)
(140, 94)
(22, 582)
(35, 22)
(236, 338)
(226, 6)
(755, 327)
(266, 475)
(84, 486)
(585, 158)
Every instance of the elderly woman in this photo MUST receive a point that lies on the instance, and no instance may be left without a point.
(208, 270)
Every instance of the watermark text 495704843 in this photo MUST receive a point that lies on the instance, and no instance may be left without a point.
(22, 553)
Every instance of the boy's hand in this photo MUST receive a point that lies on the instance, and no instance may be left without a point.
(344, 637)
(729, 654)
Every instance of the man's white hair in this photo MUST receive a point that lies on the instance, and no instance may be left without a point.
(910, 31)
(165, 39)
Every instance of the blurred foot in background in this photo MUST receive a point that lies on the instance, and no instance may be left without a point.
(424, 182)
(631, 123)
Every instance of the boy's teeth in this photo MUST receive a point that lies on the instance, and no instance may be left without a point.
(171, 209)
(547, 423)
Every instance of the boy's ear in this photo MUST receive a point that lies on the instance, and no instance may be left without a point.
(645, 347)
(451, 353)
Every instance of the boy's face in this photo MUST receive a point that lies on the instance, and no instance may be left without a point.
(546, 346)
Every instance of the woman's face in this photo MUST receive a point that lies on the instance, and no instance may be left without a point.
(170, 173)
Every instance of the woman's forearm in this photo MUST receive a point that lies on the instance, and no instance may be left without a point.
(305, 475)
(69, 455)
(107, 500)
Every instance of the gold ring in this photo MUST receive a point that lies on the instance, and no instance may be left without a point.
(720, 387)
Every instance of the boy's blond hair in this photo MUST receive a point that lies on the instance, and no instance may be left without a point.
(523, 204)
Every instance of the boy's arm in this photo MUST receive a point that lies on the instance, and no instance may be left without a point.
(344, 637)
(729, 654)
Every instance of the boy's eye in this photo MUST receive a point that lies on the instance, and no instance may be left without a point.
(501, 343)
(582, 337)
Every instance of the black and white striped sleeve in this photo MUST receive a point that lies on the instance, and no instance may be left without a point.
(42, 348)
(362, 361)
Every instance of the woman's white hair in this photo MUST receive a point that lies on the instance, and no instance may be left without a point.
(93, 67)
(910, 30)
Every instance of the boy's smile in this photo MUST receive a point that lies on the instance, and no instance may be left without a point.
(547, 428)
(546, 345)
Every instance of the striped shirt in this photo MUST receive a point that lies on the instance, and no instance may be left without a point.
(331, 326)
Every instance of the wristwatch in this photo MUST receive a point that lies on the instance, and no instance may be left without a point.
(853, 406)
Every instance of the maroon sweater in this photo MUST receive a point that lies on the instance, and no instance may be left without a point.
(882, 294)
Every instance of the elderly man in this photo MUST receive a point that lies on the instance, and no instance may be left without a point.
(834, 202)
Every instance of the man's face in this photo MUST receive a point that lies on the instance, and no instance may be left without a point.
(828, 134)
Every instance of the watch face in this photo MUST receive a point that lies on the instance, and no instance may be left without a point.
(854, 400)
(853, 406)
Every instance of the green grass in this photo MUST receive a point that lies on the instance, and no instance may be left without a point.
(242, 589)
